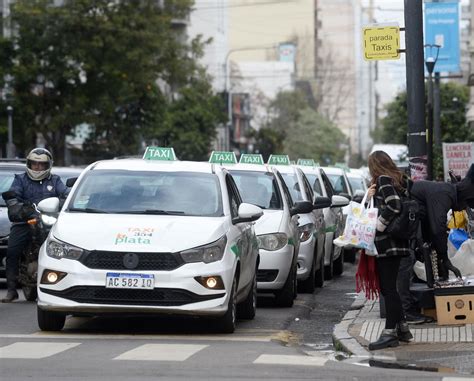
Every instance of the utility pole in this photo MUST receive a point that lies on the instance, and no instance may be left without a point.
(437, 110)
(415, 89)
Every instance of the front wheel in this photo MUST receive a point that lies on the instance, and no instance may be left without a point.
(226, 323)
(286, 296)
(319, 276)
(339, 264)
(30, 293)
(329, 269)
(308, 285)
(248, 308)
(50, 320)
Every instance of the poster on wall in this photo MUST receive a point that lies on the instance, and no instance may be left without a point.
(457, 157)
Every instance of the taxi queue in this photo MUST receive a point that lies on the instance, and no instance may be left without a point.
(159, 235)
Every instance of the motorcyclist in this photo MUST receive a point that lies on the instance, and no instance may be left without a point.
(36, 184)
(437, 198)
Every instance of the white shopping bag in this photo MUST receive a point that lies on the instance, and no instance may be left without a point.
(360, 226)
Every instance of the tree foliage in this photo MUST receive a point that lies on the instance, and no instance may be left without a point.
(121, 67)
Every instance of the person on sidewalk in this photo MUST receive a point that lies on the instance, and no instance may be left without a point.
(387, 184)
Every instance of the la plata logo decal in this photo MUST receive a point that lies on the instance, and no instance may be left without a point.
(140, 236)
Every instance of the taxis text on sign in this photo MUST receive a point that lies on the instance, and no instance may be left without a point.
(381, 43)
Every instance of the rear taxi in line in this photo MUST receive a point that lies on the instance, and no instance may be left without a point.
(277, 230)
(311, 225)
(151, 235)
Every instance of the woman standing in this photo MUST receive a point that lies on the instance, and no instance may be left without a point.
(388, 183)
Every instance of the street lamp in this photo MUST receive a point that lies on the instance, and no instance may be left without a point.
(432, 51)
(10, 145)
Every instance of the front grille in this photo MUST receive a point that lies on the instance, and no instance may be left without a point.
(115, 296)
(112, 260)
(266, 275)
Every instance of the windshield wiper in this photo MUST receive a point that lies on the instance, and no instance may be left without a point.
(87, 210)
(153, 211)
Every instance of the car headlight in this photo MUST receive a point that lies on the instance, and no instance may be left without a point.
(272, 242)
(48, 220)
(212, 252)
(305, 232)
(59, 250)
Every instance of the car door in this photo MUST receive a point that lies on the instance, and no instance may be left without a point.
(293, 225)
(245, 233)
(318, 213)
(334, 222)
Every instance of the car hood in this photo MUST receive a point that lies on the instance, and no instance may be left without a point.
(4, 222)
(138, 233)
(270, 222)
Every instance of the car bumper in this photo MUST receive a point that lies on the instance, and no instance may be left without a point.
(274, 268)
(83, 290)
(305, 258)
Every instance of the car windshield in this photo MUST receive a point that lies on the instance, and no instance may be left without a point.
(314, 181)
(147, 192)
(357, 183)
(6, 179)
(258, 188)
(338, 183)
(293, 186)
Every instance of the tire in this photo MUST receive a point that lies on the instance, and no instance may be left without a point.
(350, 255)
(329, 269)
(286, 296)
(30, 293)
(339, 264)
(226, 323)
(50, 320)
(308, 285)
(248, 308)
(319, 276)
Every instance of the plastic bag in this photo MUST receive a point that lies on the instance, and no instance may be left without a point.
(360, 226)
(457, 237)
(464, 258)
(458, 220)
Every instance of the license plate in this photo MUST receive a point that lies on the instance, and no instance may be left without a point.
(130, 280)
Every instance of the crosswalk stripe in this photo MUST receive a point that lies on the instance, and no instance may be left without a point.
(26, 350)
(290, 360)
(162, 352)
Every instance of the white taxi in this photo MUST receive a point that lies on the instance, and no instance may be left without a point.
(321, 185)
(277, 229)
(150, 236)
(312, 230)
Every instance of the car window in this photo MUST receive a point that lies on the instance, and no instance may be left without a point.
(293, 186)
(357, 183)
(338, 183)
(234, 199)
(308, 189)
(327, 185)
(314, 182)
(258, 188)
(149, 192)
(286, 192)
(6, 180)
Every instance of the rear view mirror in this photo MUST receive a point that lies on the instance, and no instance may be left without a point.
(248, 213)
(321, 202)
(339, 201)
(358, 196)
(71, 181)
(301, 207)
(346, 195)
(49, 205)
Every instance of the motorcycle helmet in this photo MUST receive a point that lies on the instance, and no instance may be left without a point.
(38, 164)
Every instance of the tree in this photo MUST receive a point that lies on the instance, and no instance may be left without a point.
(284, 110)
(315, 137)
(117, 66)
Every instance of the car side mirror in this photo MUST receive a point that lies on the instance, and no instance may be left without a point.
(346, 195)
(339, 201)
(358, 196)
(301, 207)
(71, 181)
(321, 202)
(247, 213)
(49, 205)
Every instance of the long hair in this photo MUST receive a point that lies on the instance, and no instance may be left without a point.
(381, 164)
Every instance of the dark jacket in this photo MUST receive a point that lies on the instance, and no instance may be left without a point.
(387, 200)
(35, 191)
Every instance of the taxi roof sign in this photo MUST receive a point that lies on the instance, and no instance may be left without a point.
(306, 162)
(279, 160)
(159, 153)
(223, 157)
(381, 42)
(251, 158)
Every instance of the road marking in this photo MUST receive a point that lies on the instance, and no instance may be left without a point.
(291, 360)
(25, 350)
(161, 352)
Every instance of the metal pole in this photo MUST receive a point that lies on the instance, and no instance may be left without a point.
(10, 146)
(415, 88)
(229, 102)
(430, 127)
(437, 111)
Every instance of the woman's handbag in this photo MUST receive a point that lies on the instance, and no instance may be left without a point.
(360, 226)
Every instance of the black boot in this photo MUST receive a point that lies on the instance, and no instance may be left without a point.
(12, 294)
(388, 338)
(403, 332)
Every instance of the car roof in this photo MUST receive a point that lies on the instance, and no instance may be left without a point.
(333, 170)
(309, 169)
(155, 165)
(12, 165)
(285, 168)
(248, 167)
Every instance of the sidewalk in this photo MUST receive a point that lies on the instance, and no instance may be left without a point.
(450, 346)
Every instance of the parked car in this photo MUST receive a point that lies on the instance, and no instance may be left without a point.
(333, 217)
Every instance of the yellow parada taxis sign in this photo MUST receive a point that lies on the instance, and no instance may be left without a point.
(381, 42)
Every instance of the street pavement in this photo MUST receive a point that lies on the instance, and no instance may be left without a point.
(434, 347)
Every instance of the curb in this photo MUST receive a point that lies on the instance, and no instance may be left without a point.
(341, 337)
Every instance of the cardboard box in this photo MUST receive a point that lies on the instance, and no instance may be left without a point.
(455, 305)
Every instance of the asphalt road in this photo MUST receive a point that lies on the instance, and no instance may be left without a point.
(275, 345)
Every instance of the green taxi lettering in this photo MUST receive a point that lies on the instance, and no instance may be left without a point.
(222, 157)
(306, 162)
(159, 153)
(250, 158)
(124, 239)
(279, 160)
